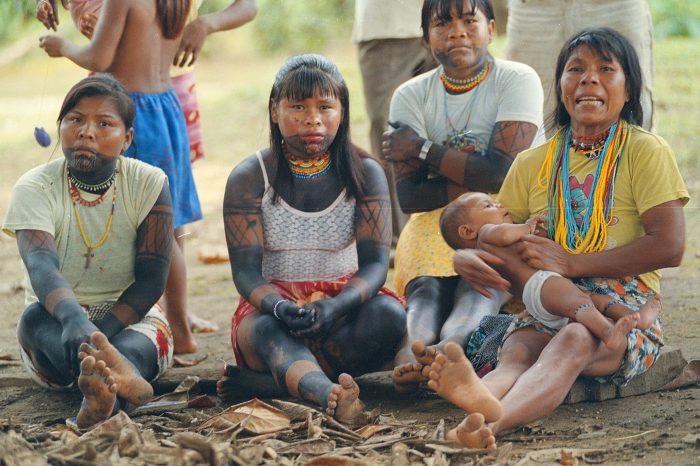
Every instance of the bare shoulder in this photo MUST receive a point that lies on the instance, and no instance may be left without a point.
(246, 180)
(374, 181)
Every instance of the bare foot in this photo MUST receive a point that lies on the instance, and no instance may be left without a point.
(407, 377)
(453, 378)
(199, 325)
(649, 312)
(617, 338)
(343, 401)
(424, 354)
(99, 391)
(238, 383)
(132, 387)
(473, 432)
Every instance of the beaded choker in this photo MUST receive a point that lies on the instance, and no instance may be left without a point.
(581, 227)
(590, 147)
(92, 188)
(77, 199)
(460, 86)
(308, 169)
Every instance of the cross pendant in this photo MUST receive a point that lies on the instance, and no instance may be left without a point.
(88, 255)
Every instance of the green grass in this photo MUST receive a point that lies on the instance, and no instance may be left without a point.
(234, 80)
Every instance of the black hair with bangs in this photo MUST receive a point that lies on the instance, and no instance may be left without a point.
(441, 9)
(299, 78)
(608, 44)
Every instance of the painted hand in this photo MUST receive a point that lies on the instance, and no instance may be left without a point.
(75, 331)
(473, 266)
(294, 317)
(544, 254)
(401, 144)
(324, 312)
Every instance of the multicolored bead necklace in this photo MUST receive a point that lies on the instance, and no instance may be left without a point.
(460, 86)
(77, 199)
(93, 188)
(590, 147)
(308, 169)
(590, 233)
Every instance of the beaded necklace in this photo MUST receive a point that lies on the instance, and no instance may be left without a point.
(462, 139)
(460, 86)
(77, 199)
(92, 188)
(590, 235)
(590, 147)
(308, 169)
(74, 185)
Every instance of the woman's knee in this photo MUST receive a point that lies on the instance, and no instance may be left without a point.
(33, 319)
(393, 316)
(426, 288)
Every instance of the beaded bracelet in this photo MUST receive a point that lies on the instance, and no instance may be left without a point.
(581, 307)
(274, 308)
(608, 306)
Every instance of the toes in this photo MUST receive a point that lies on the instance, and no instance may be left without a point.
(346, 381)
(100, 340)
(453, 352)
(418, 348)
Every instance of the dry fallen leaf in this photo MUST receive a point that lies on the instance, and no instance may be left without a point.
(254, 416)
(371, 429)
(212, 256)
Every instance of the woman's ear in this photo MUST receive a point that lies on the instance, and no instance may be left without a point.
(273, 112)
(128, 138)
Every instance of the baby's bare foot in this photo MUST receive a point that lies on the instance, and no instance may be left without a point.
(452, 377)
(617, 338)
(473, 432)
(99, 392)
(649, 312)
(343, 401)
(132, 387)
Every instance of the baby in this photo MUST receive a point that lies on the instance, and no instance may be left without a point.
(475, 220)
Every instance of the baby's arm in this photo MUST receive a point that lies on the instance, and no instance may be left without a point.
(504, 234)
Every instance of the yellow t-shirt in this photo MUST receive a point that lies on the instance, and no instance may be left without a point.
(647, 176)
(41, 201)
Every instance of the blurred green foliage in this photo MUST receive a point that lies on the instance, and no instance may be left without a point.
(297, 25)
(15, 16)
(675, 18)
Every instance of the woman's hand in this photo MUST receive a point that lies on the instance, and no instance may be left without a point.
(324, 315)
(544, 254)
(52, 45)
(76, 330)
(473, 266)
(401, 144)
(294, 317)
(87, 24)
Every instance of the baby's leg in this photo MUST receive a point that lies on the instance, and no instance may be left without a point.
(647, 313)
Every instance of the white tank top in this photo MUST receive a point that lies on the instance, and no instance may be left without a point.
(307, 246)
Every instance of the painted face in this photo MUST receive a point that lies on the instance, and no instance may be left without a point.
(483, 210)
(593, 91)
(308, 126)
(461, 44)
(93, 135)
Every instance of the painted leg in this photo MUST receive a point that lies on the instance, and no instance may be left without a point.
(238, 383)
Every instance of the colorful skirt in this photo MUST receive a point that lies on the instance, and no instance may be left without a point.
(186, 91)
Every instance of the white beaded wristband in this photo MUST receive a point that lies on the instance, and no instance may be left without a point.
(423, 154)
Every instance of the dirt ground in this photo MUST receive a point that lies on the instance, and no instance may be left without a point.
(653, 429)
(656, 428)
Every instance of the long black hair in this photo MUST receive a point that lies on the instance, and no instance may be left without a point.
(299, 78)
(173, 16)
(608, 44)
(101, 84)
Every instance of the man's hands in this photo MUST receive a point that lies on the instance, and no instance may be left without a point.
(312, 320)
(401, 144)
(47, 14)
(76, 330)
(52, 45)
(294, 317)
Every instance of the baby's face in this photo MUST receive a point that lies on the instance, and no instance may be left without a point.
(481, 210)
